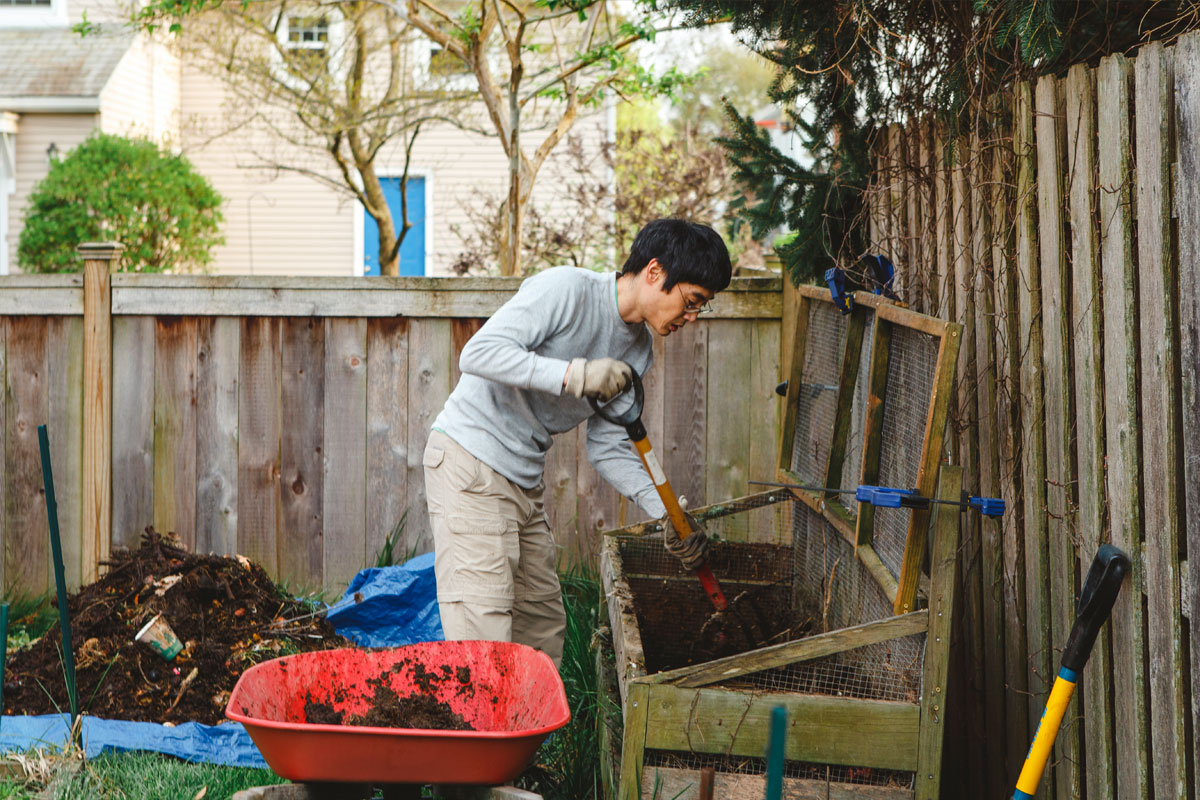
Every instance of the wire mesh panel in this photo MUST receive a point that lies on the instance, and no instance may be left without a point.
(912, 364)
(816, 397)
(812, 775)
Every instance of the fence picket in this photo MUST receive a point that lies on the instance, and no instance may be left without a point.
(1056, 351)
(259, 428)
(175, 427)
(133, 449)
(26, 553)
(1187, 111)
(64, 376)
(992, 573)
(1154, 76)
(1096, 698)
(1118, 274)
(1032, 401)
(1008, 414)
(3, 432)
(302, 391)
(217, 435)
(345, 484)
(429, 351)
(387, 434)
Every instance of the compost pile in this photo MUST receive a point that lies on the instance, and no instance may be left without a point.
(226, 611)
(387, 709)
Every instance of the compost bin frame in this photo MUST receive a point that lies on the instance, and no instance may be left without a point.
(682, 709)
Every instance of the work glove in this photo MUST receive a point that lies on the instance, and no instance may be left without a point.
(601, 379)
(691, 551)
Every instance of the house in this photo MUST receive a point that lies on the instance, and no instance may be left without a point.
(57, 86)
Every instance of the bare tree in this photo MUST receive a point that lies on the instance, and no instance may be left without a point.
(337, 86)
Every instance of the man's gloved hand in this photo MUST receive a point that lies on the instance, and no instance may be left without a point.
(601, 379)
(691, 551)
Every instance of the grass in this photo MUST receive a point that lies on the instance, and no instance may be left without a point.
(29, 617)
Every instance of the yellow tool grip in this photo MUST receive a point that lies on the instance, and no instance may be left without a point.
(665, 492)
(1043, 740)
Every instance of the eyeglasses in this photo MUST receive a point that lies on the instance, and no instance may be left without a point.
(691, 308)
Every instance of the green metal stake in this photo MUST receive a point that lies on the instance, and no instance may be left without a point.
(64, 617)
(775, 742)
(3, 651)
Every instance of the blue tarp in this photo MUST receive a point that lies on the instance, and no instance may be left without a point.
(386, 607)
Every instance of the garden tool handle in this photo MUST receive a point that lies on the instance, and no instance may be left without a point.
(1096, 600)
(631, 420)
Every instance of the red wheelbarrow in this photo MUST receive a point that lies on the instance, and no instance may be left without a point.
(513, 698)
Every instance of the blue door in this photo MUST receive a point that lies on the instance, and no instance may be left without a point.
(412, 249)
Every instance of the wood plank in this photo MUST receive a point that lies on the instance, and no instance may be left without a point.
(633, 744)
(992, 577)
(259, 429)
(828, 730)
(175, 427)
(791, 403)
(461, 331)
(41, 295)
(1089, 409)
(746, 298)
(898, 212)
(630, 657)
(599, 505)
(766, 524)
(303, 523)
(653, 410)
(852, 357)
(4, 584)
(920, 155)
(728, 412)
(1032, 400)
(217, 360)
(1121, 427)
(26, 551)
(671, 783)
(64, 372)
(1059, 404)
(562, 499)
(387, 434)
(133, 450)
(795, 652)
(1187, 110)
(345, 453)
(881, 348)
(931, 457)
(969, 749)
(1154, 87)
(935, 699)
(941, 294)
(429, 347)
(1008, 415)
(99, 261)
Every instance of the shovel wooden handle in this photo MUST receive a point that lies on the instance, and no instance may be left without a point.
(631, 421)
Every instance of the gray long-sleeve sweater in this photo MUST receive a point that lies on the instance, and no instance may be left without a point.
(510, 401)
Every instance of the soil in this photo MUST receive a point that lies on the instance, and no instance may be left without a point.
(226, 611)
(388, 710)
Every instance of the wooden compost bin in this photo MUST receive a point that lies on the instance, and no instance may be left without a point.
(861, 655)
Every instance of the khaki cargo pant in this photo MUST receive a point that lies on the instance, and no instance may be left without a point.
(494, 554)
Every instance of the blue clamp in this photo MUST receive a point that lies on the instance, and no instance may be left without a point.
(837, 289)
(988, 506)
(883, 274)
(887, 497)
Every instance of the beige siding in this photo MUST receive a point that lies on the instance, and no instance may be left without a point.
(36, 133)
(97, 11)
(283, 224)
(141, 97)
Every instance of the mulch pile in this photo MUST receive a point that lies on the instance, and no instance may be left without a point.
(225, 610)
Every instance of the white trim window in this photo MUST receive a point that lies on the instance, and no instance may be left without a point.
(33, 13)
(311, 39)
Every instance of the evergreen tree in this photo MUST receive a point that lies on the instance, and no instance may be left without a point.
(847, 67)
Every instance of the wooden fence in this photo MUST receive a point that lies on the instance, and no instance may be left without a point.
(284, 419)
(1064, 233)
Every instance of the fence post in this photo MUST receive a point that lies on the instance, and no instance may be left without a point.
(99, 258)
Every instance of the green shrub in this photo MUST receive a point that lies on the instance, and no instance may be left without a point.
(111, 188)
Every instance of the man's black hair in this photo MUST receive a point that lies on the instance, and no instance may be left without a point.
(688, 252)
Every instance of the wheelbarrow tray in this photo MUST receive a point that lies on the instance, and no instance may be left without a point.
(513, 698)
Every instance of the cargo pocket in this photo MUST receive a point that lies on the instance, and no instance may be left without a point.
(485, 556)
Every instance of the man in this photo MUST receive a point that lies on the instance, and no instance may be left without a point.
(568, 334)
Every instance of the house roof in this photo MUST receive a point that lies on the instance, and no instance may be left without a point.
(58, 62)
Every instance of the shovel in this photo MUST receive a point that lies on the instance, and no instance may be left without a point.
(714, 630)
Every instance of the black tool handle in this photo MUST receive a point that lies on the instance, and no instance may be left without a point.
(1100, 590)
(631, 418)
